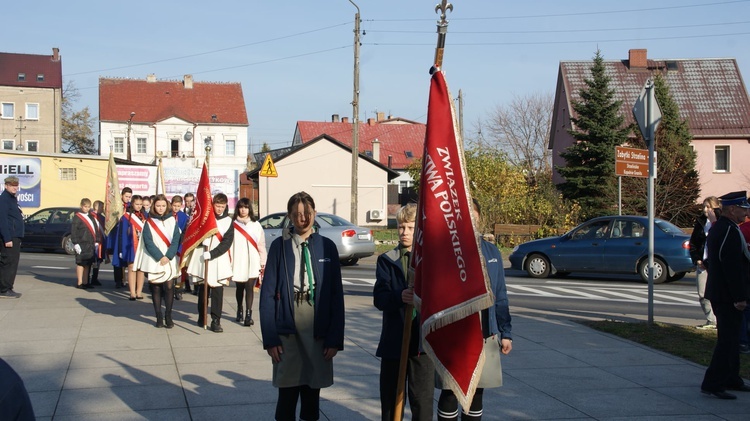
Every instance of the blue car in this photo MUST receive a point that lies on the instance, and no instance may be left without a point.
(608, 244)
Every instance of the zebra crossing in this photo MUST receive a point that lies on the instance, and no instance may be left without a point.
(600, 292)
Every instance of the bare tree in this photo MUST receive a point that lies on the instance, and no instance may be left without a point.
(77, 126)
(521, 129)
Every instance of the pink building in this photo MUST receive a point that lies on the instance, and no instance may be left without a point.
(709, 92)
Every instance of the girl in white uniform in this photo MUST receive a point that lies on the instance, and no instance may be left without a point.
(248, 257)
(156, 256)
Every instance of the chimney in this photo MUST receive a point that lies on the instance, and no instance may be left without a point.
(376, 150)
(55, 54)
(335, 118)
(390, 160)
(188, 81)
(637, 59)
(344, 119)
(151, 78)
(370, 121)
(381, 116)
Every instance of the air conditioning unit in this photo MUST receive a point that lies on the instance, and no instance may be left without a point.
(376, 214)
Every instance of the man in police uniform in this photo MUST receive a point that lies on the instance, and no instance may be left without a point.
(11, 230)
(728, 289)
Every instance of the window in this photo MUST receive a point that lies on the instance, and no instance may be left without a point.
(409, 154)
(68, 174)
(32, 111)
(721, 158)
(174, 148)
(229, 147)
(368, 154)
(9, 110)
(40, 77)
(22, 77)
(593, 230)
(140, 145)
(32, 145)
(8, 145)
(119, 145)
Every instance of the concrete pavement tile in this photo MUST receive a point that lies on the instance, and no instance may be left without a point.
(691, 395)
(133, 358)
(344, 365)
(258, 411)
(37, 347)
(661, 375)
(543, 358)
(120, 399)
(121, 376)
(622, 356)
(140, 326)
(43, 381)
(198, 354)
(195, 336)
(44, 403)
(230, 393)
(157, 340)
(38, 362)
(177, 414)
(354, 409)
(705, 417)
(519, 401)
(588, 340)
(40, 334)
(599, 403)
(551, 379)
(353, 387)
(223, 372)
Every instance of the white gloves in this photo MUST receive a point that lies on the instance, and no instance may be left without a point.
(207, 255)
(77, 248)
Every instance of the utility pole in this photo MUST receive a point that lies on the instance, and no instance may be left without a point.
(20, 129)
(355, 118)
(130, 121)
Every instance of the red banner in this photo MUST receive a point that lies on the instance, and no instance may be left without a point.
(202, 222)
(451, 285)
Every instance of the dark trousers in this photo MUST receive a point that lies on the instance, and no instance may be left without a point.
(724, 370)
(448, 406)
(286, 406)
(245, 289)
(119, 274)
(9, 257)
(163, 290)
(420, 382)
(216, 295)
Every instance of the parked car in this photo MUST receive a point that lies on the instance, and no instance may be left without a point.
(353, 242)
(608, 244)
(49, 229)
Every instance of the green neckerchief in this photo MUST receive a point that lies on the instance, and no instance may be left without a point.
(404, 254)
(308, 265)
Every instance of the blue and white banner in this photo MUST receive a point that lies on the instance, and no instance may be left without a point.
(29, 173)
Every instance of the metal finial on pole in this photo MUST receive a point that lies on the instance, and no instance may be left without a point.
(442, 30)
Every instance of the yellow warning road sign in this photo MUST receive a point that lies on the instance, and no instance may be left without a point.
(268, 169)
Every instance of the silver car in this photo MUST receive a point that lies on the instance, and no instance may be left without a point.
(353, 242)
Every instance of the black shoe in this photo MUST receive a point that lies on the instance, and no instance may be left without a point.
(216, 326)
(195, 291)
(131, 298)
(249, 318)
(159, 321)
(719, 394)
(118, 286)
(96, 283)
(79, 287)
(201, 323)
(88, 286)
(168, 323)
(11, 294)
(239, 314)
(177, 296)
(741, 388)
(139, 298)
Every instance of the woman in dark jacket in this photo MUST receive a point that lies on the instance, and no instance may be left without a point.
(698, 254)
(302, 312)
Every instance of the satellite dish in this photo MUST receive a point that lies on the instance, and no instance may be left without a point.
(188, 136)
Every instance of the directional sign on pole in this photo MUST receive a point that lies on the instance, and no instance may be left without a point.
(641, 110)
(268, 169)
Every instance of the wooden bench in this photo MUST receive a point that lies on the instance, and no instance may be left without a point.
(516, 230)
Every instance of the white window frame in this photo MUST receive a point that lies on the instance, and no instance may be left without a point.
(68, 174)
(141, 145)
(30, 105)
(11, 142)
(728, 150)
(227, 142)
(32, 142)
(13, 111)
(118, 144)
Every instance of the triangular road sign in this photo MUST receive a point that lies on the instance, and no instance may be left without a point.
(268, 169)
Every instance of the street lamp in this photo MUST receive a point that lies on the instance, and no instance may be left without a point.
(208, 142)
(130, 121)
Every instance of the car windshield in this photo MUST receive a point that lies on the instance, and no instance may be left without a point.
(668, 227)
(334, 221)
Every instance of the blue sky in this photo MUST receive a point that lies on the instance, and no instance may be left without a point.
(294, 59)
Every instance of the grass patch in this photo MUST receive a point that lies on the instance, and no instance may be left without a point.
(682, 341)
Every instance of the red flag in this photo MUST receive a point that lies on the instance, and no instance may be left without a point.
(202, 221)
(451, 284)
(113, 206)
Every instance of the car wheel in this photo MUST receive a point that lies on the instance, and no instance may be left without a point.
(537, 266)
(67, 245)
(661, 272)
(676, 277)
(349, 262)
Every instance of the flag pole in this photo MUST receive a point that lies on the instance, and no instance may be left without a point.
(442, 31)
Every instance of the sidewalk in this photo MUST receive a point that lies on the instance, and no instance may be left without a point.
(94, 355)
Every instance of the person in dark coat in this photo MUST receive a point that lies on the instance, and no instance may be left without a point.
(728, 288)
(87, 239)
(391, 294)
(698, 255)
(97, 211)
(302, 312)
(12, 230)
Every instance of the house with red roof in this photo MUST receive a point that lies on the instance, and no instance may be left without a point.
(709, 92)
(393, 142)
(177, 121)
(31, 102)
